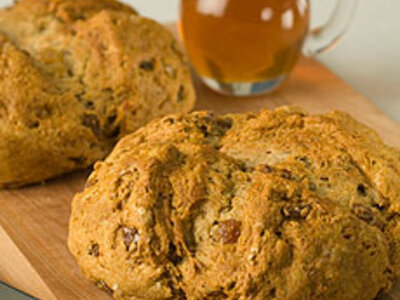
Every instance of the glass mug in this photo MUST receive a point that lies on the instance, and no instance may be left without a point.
(246, 47)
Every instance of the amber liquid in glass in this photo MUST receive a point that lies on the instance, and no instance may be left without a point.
(244, 40)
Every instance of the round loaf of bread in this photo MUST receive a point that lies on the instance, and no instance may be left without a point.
(75, 77)
(272, 205)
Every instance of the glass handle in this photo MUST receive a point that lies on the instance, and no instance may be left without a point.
(325, 37)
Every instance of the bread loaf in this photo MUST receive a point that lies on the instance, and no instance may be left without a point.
(75, 77)
(270, 205)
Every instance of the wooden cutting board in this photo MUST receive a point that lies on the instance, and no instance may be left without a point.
(33, 221)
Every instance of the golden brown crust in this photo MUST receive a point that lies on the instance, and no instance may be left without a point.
(273, 205)
(76, 76)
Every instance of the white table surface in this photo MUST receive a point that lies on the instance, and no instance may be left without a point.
(368, 57)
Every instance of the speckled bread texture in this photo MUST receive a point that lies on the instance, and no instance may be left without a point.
(75, 77)
(272, 205)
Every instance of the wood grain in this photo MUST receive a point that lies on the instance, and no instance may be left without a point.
(33, 220)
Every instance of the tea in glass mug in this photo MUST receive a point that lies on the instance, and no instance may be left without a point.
(246, 47)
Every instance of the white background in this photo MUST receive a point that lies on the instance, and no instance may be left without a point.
(368, 57)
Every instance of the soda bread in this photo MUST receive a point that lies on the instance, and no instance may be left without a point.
(75, 77)
(272, 205)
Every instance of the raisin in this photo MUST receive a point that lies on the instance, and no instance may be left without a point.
(388, 271)
(267, 169)
(223, 125)
(312, 186)
(79, 97)
(347, 233)
(362, 190)
(172, 254)
(114, 133)
(244, 168)
(226, 124)
(91, 121)
(285, 174)
(379, 207)
(272, 293)
(306, 161)
(147, 65)
(119, 206)
(129, 235)
(297, 211)
(170, 121)
(204, 130)
(181, 94)
(111, 119)
(94, 250)
(90, 105)
(229, 231)
(232, 285)
(32, 124)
